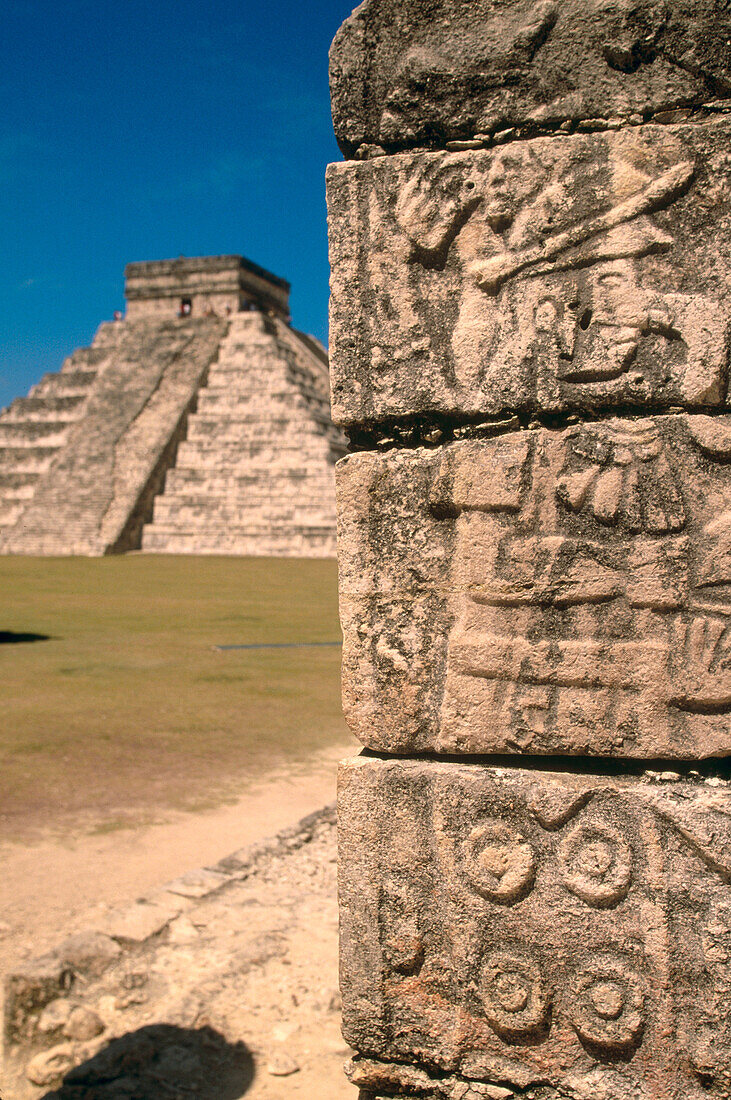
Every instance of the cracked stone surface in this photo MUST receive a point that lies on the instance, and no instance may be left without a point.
(412, 73)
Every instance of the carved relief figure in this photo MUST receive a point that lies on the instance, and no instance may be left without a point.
(570, 548)
(551, 295)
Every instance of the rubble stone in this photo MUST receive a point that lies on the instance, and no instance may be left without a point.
(55, 1016)
(50, 1065)
(261, 970)
(83, 1024)
(89, 953)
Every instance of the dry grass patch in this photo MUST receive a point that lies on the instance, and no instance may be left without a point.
(127, 707)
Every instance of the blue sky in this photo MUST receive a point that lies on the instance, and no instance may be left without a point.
(141, 131)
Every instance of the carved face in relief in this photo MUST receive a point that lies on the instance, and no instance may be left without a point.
(614, 286)
(505, 189)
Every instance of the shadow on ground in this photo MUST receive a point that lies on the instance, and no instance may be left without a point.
(162, 1062)
(8, 637)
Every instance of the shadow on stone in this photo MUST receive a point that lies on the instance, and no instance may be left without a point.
(162, 1062)
(9, 637)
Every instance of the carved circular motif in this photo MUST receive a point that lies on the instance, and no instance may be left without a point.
(513, 994)
(608, 1000)
(596, 863)
(499, 862)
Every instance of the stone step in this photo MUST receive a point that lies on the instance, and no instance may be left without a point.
(26, 459)
(300, 493)
(235, 458)
(280, 492)
(10, 511)
(263, 390)
(185, 481)
(245, 378)
(250, 412)
(92, 356)
(26, 433)
(72, 383)
(268, 374)
(18, 495)
(241, 543)
(248, 397)
(227, 534)
(182, 511)
(17, 482)
(238, 434)
(45, 408)
(232, 454)
(228, 430)
(239, 521)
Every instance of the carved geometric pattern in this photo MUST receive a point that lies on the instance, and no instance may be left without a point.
(570, 930)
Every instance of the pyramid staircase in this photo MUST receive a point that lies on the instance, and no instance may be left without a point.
(34, 429)
(255, 474)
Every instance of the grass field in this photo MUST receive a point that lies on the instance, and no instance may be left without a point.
(127, 707)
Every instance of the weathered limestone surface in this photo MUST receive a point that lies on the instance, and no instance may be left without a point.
(421, 72)
(544, 591)
(531, 256)
(256, 472)
(34, 428)
(559, 930)
(562, 274)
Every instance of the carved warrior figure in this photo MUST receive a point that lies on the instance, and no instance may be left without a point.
(531, 265)
(582, 623)
(579, 313)
(550, 276)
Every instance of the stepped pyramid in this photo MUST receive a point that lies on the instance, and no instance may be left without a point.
(199, 424)
(34, 428)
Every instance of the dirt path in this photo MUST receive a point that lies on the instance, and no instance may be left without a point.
(230, 994)
(56, 886)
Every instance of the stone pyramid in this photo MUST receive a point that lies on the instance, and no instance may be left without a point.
(198, 424)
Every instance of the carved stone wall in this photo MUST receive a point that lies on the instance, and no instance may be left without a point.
(531, 318)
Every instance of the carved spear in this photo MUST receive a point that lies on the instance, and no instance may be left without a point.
(492, 273)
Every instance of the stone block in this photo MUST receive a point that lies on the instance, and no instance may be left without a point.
(28, 989)
(138, 922)
(406, 73)
(558, 275)
(527, 930)
(543, 591)
(197, 884)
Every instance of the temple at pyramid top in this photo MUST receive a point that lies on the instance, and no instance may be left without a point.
(201, 285)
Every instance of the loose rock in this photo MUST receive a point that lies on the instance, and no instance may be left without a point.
(281, 1065)
(83, 1024)
(49, 1066)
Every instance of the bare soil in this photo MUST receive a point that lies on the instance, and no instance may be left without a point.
(257, 963)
